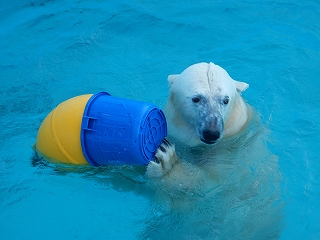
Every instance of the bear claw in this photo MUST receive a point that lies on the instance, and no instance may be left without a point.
(163, 161)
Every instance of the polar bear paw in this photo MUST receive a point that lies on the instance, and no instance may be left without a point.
(164, 160)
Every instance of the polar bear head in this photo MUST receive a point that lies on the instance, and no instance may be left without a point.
(205, 105)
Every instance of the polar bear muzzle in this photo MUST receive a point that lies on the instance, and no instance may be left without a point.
(211, 129)
(210, 137)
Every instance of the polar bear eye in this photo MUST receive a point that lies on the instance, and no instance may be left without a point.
(226, 100)
(196, 99)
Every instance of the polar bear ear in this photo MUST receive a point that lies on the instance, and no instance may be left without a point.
(241, 86)
(172, 78)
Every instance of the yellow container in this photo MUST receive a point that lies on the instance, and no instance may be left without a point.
(58, 138)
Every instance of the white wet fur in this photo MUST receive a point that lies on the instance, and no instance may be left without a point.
(213, 83)
(185, 118)
(229, 189)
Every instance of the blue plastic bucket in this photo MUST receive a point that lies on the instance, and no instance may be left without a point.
(120, 131)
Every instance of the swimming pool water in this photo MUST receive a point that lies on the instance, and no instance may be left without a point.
(54, 50)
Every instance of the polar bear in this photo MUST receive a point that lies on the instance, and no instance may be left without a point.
(219, 180)
(204, 106)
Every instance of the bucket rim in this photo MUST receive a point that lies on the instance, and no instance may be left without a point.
(82, 132)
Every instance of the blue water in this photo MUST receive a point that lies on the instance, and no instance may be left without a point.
(54, 50)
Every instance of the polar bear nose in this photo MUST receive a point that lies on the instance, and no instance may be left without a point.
(210, 137)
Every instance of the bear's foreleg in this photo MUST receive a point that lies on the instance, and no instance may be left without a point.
(164, 160)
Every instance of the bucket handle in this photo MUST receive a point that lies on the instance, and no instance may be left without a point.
(87, 123)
